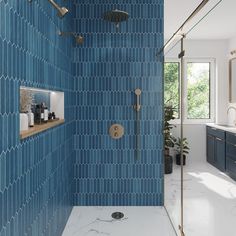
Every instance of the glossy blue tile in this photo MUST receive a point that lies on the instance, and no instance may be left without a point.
(98, 79)
(109, 66)
(35, 174)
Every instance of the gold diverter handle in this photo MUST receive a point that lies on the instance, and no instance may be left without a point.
(116, 131)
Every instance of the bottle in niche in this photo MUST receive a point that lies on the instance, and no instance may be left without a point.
(31, 119)
(53, 116)
(42, 113)
(45, 116)
(37, 114)
(49, 116)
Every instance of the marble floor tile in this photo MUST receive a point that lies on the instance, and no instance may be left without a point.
(209, 200)
(137, 221)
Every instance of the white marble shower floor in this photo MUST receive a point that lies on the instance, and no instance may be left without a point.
(209, 200)
(137, 221)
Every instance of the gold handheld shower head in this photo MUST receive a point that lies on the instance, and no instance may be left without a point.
(62, 11)
(138, 92)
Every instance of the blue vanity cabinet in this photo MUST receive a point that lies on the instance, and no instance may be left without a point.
(220, 153)
(231, 155)
(221, 150)
(210, 149)
(216, 147)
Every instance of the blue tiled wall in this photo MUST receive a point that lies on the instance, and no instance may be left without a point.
(35, 174)
(109, 66)
(42, 97)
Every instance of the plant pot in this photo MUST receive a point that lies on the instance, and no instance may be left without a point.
(167, 152)
(178, 159)
(168, 164)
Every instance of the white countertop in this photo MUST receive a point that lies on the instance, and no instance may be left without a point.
(231, 129)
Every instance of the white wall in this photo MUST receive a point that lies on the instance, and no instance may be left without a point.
(218, 50)
(196, 135)
(231, 47)
(57, 103)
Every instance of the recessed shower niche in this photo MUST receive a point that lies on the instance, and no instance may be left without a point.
(40, 110)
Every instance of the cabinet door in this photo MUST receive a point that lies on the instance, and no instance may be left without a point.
(210, 149)
(231, 159)
(231, 167)
(220, 154)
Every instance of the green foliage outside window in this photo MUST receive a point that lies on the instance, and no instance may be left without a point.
(198, 89)
(171, 86)
(198, 76)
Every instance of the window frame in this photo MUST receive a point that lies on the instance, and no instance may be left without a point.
(212, 89)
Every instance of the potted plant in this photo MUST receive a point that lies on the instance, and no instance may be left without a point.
(178, 150)
(169, 139)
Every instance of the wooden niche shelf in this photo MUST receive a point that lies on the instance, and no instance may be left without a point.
(40, 128)
(37, 100)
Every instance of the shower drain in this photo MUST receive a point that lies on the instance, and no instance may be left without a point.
(117, 215)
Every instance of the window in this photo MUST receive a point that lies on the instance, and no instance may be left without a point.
(198, 89)
(171, 86)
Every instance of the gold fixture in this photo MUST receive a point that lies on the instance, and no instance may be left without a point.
(231, 107)
(138, 92)
(181, 56)
(116, 16)
(62, 11)
(116, 131)
(181, 231)
(232, 79)
(233, 52)
(179, 32)
(78, 38)
(137, 108)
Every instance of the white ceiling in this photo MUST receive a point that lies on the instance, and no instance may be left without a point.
(219, 24)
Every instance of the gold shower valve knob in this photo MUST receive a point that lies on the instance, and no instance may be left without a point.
(116, 131)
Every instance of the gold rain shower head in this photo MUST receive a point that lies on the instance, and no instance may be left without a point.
(116, 16)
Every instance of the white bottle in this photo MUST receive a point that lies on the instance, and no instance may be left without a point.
(45, 116)
(24, 122)
(31, 119)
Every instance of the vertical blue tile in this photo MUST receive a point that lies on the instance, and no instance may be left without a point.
(34, 55)
(109, 66)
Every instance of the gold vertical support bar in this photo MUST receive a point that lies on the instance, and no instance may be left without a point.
(137, 135)
(181, 56)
